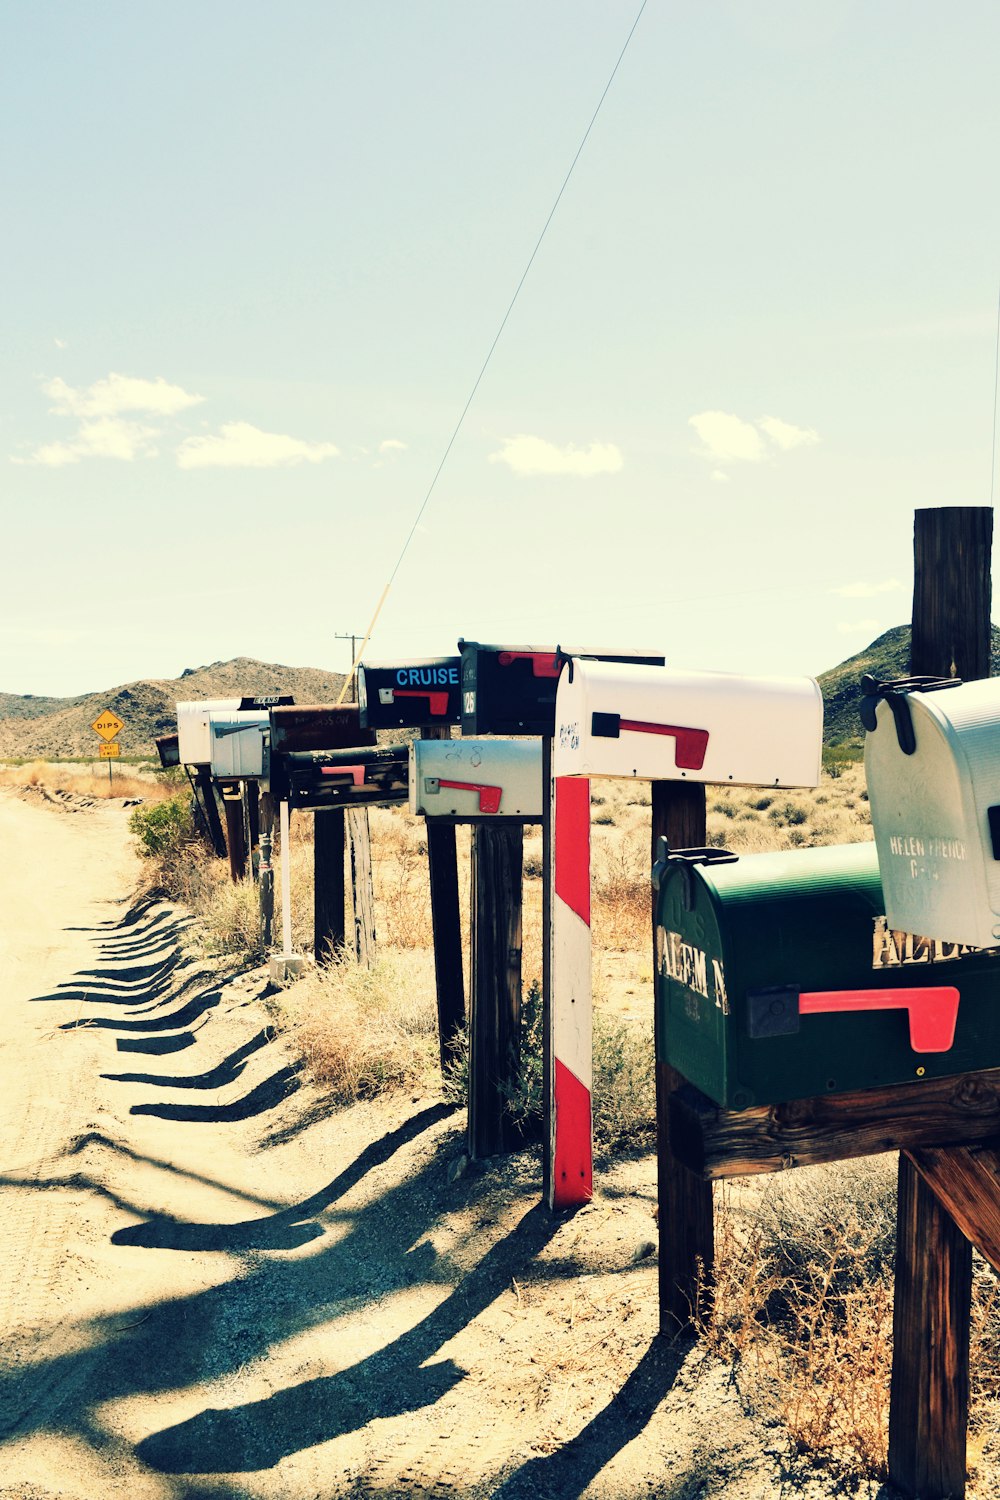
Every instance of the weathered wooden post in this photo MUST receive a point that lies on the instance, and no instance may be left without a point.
(684, 1200)
(204, 784)
(446, 928)
(232, 806)
(494, 1043)
(329, 929)
(951, 636)
(362, 890)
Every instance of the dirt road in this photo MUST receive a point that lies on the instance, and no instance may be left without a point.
(214, 1287)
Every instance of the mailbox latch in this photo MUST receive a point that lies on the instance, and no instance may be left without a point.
(895, 690)
(932, 1011)
(691, 743)
(489, 796)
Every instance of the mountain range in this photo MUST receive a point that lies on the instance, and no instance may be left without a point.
(59, 728)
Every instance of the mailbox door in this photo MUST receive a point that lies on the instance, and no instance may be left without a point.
(660, 724)
(410, 695)
(468, 780)
(939, 874)
(194, 739)
(238, 744)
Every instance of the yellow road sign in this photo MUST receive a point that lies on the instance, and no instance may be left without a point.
(107, 724)
(110, 751)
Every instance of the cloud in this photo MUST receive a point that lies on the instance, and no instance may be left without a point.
(857, 627)
(119, 393)
(527, 455)
(239, 445)
(392, 445)
(784, 435)
(719, 476)
(61, 344)
(728, 439)
(107, 437)
(867, 590)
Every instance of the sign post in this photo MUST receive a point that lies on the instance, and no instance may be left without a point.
(108, 726)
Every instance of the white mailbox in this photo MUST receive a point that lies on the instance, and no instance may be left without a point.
(932, 759)
(194, 739)
(661, 724)
(470, 779)
(240, 743)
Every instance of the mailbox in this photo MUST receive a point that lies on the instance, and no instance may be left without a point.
(512, 689)
(168, 749)
(319, 726)
(469, 780)
(240, 744)
(661, 724)
(194, 737)
(411, 695)
(346, 778)
(779, 977)
(932, 760)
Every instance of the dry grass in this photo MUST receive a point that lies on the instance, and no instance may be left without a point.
(90, 780)
(803, 1306)
(365, 1032)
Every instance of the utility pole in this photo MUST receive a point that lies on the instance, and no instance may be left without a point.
(353, 640)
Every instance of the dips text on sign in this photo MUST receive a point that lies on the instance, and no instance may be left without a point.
(107, 725)
(110, 750)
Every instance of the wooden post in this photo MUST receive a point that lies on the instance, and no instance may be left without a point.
(266, 871)
(362, 892)
(232, 807)
(494, 1042)
(329, 931)
(928, 1409)
(446, 926)
(686, 1225)
(930, 1328)
(251, 791)
(205, 785)
(951, 592)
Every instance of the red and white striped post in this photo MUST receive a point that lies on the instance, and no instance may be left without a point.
(570, 1168)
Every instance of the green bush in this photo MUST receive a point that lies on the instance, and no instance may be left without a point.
(162, 828)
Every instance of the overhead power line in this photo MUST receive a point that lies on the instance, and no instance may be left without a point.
(496, 339)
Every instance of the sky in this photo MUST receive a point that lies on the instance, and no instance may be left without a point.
(255, 257)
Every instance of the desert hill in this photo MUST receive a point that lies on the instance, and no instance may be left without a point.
(887, 656)
(59, 728)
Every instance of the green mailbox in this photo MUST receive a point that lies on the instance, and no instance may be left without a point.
(778, 978)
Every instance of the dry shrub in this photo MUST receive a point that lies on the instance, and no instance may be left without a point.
(803, 1305)
(620, 894)
(231, 915)
(365, 1032)
(400, 879)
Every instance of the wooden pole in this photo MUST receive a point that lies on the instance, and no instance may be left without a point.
(267, 810)
(929, 1402)
(952, 592)
(686, 1226)
(251, 791)
(362, 891)
(329, 930)
(928, 1411)
(205, 785)
(446, 926)
(232, 807)
(494, 1042)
